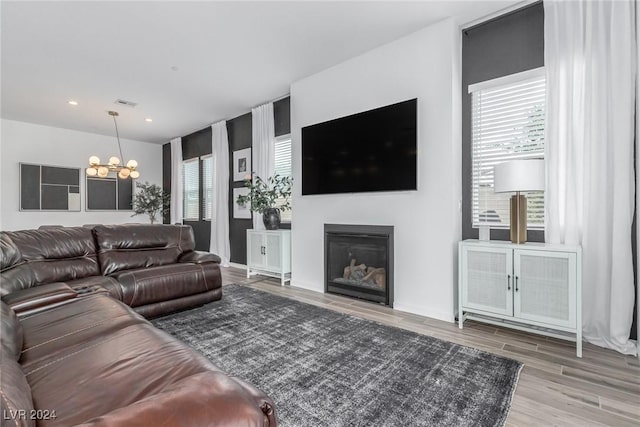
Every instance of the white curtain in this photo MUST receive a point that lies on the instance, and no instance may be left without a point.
(220, 187)
(263, 148)
(590, 61)
(176, 181)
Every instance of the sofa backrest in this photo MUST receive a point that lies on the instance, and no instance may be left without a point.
(13, 275)
(132, 246)
(35, 257)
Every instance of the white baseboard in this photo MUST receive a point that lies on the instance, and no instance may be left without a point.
(309, 287)
(236, 265)
(420, 311)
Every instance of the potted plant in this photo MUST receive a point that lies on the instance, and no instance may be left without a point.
(263, 196)
(150, 199)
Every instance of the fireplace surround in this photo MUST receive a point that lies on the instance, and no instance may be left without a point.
(359, 261)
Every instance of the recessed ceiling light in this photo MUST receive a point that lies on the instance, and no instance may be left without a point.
(72, 102)
(148, 119)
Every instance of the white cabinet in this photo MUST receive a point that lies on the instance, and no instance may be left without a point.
(533, 287)
(269, 253)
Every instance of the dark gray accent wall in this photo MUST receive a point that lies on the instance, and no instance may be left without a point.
(509, 44)
(166, 176)
(282, 116)
(198, 144)
(239, 131)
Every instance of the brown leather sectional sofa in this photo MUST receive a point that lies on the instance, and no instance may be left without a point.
(152, 268)
(76, 349)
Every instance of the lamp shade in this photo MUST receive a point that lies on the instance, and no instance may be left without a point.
(519, 175)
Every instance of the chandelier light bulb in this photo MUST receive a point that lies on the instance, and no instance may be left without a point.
(94, 160)
(114, 161)
(92, 171)
(103, 171)
(134, 174)
(124, 173)
(132, 164)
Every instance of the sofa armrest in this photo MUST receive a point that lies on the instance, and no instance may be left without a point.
(37, 297)
(199, 257)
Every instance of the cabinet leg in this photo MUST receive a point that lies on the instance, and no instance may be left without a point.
(460, 319)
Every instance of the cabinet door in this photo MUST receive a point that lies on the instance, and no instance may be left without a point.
(545, 287)
(486, 279)
(255, 250)
(274, 252)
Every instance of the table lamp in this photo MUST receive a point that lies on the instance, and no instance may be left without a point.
(516, 176)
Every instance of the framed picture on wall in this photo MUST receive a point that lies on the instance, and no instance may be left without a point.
(239, 211)
(109, 194)
(241, 164)
(49, 188)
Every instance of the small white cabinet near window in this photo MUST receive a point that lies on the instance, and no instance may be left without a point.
(533, 287)
(269, 254)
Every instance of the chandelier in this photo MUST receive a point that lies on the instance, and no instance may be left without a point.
(102, 171)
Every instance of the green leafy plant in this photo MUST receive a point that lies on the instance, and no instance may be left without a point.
(150, 199)
(264, 194)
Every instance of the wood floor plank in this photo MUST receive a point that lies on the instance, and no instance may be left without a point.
(602, 380)
(585, 412)
(622, 408)
(528, 412)
(597, 373)
(585, 386)
(555, 387)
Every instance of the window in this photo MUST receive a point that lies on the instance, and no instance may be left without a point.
(191, 189)
(283, 166)
(207, 186)
(507, 117)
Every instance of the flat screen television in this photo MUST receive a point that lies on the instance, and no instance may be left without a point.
(371, 151)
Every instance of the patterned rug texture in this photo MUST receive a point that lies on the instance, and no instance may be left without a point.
(324, 368)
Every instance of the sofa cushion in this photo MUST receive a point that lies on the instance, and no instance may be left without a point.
(54, 255)
(11, 330)
(166, 282)
(16, 403)
(71, 327)
(39, 297)
(132, 246)
(9, 252)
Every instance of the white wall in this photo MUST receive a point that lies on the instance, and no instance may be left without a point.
(30, 143)
(428, 221)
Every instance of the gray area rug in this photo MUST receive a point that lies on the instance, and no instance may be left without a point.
(324, 368)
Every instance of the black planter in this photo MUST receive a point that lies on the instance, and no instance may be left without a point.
(271, 218)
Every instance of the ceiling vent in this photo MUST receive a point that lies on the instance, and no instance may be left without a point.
(126, 103)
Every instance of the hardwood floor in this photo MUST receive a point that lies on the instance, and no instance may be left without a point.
(555, 387)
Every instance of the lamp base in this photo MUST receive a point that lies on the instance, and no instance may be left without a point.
(518, 226)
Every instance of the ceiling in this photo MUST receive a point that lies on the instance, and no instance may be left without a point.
(186, 64)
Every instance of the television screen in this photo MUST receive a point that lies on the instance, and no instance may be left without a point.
(371, 151)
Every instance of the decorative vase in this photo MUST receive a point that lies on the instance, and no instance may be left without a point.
(271, 218)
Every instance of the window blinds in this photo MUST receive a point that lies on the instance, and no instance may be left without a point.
(191, 185)
(507, 124)
(283, 166)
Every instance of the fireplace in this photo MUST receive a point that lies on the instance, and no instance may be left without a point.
(359, 261)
